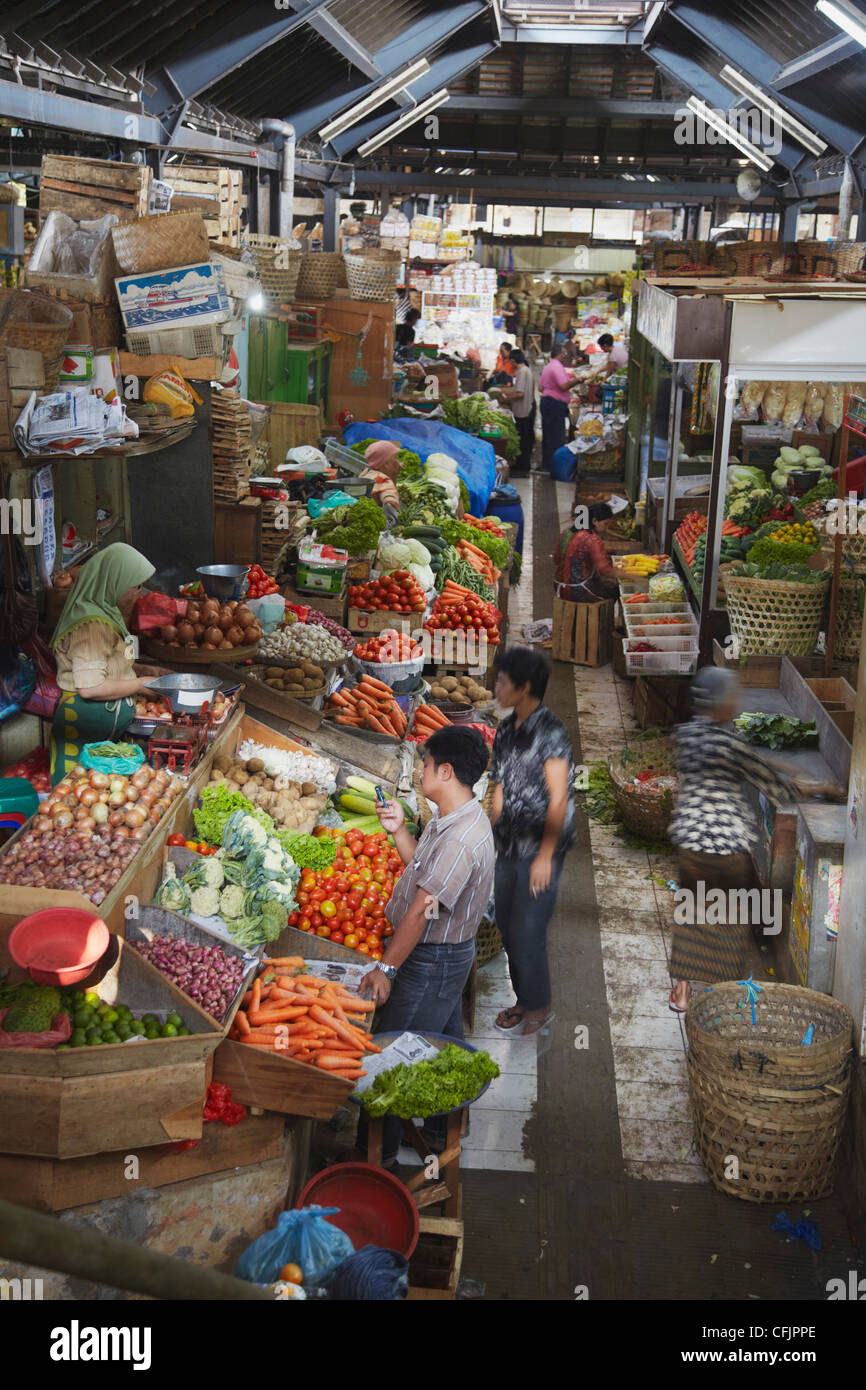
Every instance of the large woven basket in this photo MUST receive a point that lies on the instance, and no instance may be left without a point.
(160, 242)
(768, 1110)
(769, 616)
(829, 258)
(645, 811)
(488, 942)
(763, 258)
(372, 274)
(36, 322)
(853, 548)
(278, 265)
(320, 274)
(849, 617)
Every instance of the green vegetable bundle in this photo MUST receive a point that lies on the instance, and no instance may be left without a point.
(310, 851)
(355, 529)
(769, 552)
(496, 547)
(430, 1087)
(472, 413)
(453, 567)
(777, 730)
(819, 493)
(796, 574)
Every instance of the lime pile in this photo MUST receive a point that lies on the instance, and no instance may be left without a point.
(94, 1022)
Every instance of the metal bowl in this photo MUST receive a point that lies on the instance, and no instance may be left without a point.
(223, 581)
(185, 692)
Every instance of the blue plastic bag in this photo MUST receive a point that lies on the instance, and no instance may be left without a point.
(302, 1237)
(475, 459)
(335, 499)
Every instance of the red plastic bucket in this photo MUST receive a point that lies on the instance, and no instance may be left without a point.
(59, 946)
(375, 1207)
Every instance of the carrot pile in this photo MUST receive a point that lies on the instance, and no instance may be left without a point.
(369, 705)
(455, 593)
(305, 1018)
(480, 562)
(427, 720)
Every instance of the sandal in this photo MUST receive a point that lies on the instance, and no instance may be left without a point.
(537, 1025)
(674, 1007)
(508, 1028)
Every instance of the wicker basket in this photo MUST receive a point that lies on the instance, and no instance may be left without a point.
(645, 811)
(36, 322)
(320, 274)
(769, 616)
(828, 258)
(160, 242)
(849, 256)
(278, 264)
(488, 942)
(849, 617)
(853, 548)
(763, 258)
(372, 274)
(762, 1098)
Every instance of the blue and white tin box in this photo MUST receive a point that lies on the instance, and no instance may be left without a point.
(173, 298)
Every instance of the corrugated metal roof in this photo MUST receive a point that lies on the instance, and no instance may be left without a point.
(578, 70)
(284, 78)
(374, 25)
(785, 29)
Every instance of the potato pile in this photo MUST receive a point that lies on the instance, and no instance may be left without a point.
(466, 691)
(301, 679)
(292, 805)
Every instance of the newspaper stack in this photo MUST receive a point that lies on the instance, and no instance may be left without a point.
(72, 422)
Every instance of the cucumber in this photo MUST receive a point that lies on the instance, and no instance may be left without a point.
(362, 785)
(360, 805)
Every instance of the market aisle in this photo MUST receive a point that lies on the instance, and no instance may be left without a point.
(617, 1204)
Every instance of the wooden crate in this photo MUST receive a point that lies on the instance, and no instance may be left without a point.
(56, 1184)
(22, 371)
(238, 532)
(118, 1095)
(90, 188)
(582, 632)
(661, 701)
(839, 700)
(332, 605)
(436, 1262)
(291, 425)
(217, 192)
(272, 1081)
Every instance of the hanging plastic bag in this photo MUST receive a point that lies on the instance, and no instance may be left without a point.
(153, 611)
(46, 693)
(17, 681)
(302, 1237)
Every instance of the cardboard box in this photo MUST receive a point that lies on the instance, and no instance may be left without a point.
(374, 620)
(179, 298)
(76, 365)
(332, 605)
(51, 1184)
(95, 1099)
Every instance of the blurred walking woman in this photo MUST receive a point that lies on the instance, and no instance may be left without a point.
(714, 828)
(94, 654)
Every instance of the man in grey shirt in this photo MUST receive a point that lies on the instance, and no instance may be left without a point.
(520, 395)
(437, 904)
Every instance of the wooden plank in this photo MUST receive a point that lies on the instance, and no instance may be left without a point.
(90, 190)
(279, 1083)
(193, 368)
(107, 173)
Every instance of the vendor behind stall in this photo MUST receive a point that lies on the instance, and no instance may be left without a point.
(617, 354)
(572, 354)
(582, 567)
(504, 370)
(95, 652)
(404, 333)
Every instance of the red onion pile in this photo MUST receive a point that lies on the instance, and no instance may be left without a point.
(206, 973)
(87, 831)
(341, 633)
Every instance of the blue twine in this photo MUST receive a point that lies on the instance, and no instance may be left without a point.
(804, 1230)
(371, 1274)
(752, 992)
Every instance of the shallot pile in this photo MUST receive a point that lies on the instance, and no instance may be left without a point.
(88, 829)
(206, 973)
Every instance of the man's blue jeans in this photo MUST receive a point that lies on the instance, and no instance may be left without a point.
(426, 997)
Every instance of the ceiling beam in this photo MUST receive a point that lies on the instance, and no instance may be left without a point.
(548, 189)
(817, 61)
(571, 33)
(31, 106)
(253, 28)
(341, 41)
(566, 106)
(741, 52)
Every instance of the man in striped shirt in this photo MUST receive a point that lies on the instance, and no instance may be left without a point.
(437, 903)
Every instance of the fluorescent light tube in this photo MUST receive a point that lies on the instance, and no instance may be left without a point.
(374, 99)
(801, 133)
(731, 134)
(407, 119)
(852, 21)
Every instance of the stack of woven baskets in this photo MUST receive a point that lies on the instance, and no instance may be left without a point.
(852, 589)
(775, 615)
(768, 1089)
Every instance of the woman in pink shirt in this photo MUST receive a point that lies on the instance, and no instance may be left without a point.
(554, 386)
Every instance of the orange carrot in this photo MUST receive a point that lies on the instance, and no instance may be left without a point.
(378, 685)
(296, 961)
(242, 1021)
(330, 1060)
(257, 995)
(276, 1015)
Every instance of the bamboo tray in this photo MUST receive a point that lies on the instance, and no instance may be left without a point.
(195, 655)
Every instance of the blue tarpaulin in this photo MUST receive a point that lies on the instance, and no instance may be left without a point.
(475, 458)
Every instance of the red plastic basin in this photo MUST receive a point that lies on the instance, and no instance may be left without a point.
(59, 946)
(375, 1207)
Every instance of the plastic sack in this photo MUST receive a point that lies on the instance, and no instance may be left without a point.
(302, 1237)
(270, 610)
(18, 675)
(60, 1032)
(46, 693)
(153, 611)
(334, 499)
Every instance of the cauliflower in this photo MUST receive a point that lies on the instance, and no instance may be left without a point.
(204, 902)
(172, 893)
(206, 872)
(232, 901)
(242, 834)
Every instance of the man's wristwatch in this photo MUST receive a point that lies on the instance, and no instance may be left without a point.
(389, 971)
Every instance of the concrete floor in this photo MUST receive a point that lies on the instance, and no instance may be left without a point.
(579, 1175)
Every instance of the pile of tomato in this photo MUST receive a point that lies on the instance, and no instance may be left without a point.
(472, 613)
(197, 846)
(387, 648)
(260, 583)
(398, 592)
(346, 901)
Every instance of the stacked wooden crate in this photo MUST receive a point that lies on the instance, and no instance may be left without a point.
(21, 372)
(233, 448)
(90, 188)
(217, 193)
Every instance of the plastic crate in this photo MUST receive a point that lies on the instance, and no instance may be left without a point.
(648, 634)
(204, 340)
(676, 656)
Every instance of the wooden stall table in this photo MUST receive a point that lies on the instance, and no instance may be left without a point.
(445, 1187)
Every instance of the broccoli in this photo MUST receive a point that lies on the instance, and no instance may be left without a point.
(35, 1011)
(205, 902)
(232, 901)
(206, 872)
(172, 893)
(430, 1087)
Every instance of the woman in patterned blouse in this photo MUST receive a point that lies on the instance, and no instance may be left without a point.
(714, 828)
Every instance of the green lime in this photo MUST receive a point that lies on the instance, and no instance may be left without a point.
(77, 996)
(109, 1015)
(168, 1030)
(93, 1041)
(83, 1018)
(78, 1033)
(94, 1033)
(150, 1018)
(137, 1029)
(124, 1011)
(64, 1047)
(183, 1031)
(175, 1019)
(151, 1032)
(109, 1036)
(92, 1000)
(123, 1030)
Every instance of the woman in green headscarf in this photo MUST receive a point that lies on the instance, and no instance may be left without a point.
(95, 654)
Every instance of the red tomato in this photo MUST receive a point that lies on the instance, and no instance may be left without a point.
(378, 875)
(328, 872)
(366, 875)
(387, 929)
(363, 948)
(318, 895)
(374, 942)
(340, 884)
(370, 848)
(394, 862)
(378, 911)
(366, 904)
(317, 919)
(350, 940)
(303, 897)
(359, 919)
(176, 840)
(344, 912)
(323, 930)
(294, 918)
(338, 937)
(375, 955)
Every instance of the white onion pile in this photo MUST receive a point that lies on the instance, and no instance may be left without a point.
(206, 973)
